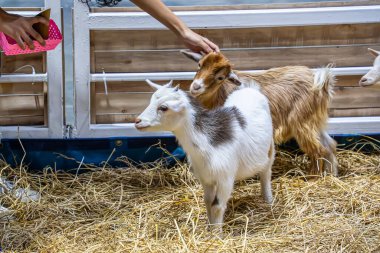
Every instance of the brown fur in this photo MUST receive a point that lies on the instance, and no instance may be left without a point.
(299, 109)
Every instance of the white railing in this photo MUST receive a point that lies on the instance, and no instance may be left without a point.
(84, 21)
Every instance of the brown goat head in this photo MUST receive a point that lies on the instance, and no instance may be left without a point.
(214, 68)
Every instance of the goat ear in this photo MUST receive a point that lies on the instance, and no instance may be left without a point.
(374, 52)
(176, 88)
(192, 55)
(234, 78)
(169, 84)
(153, 85)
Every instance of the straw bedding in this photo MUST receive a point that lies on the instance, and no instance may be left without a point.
(162, 210)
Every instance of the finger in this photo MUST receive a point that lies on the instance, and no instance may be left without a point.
(36, 36)
(20, 42)
(205, 47)
(40, 20)
(212, 45)
(28, 40)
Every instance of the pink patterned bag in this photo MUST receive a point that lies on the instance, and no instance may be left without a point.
(10, 46)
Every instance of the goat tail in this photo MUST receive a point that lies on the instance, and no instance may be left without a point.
(324, 79)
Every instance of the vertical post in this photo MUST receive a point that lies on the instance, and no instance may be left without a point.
(55, 78)
(81, 69)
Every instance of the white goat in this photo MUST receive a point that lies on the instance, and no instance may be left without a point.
(229, 143)
(373, 75)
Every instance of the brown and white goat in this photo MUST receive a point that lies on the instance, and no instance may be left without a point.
(373, 75)
(298, 100)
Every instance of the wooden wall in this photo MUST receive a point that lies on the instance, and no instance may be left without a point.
(248, 48)
(23, 103)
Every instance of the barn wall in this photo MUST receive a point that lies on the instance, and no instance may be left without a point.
(247, 48)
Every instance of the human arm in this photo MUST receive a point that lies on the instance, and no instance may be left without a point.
(164, 15)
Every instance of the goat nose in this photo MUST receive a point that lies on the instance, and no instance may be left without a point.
(363, 80)
(196, 86)
(137, 120)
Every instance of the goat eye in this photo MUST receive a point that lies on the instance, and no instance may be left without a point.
(220, 78)
(163, 108)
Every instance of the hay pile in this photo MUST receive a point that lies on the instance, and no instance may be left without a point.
(161, 210)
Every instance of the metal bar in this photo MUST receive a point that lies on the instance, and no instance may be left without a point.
(55, 78)
(23, 78)
(81, 69)
(344, 125)
(25, 13)
(354, 125)
(21, 95)
(124, 77)
(242, 18)
(114, 130)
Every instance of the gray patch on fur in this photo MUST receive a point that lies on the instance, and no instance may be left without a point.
(216, 124)
(239, 116)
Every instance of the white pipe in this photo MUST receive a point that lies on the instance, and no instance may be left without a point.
(242, 18)
(124, 77)
(23, 78)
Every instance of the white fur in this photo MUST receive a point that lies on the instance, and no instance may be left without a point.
(217, 167)
(373, 75)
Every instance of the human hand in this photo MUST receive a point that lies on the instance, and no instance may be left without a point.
(198, 43)
(21, 28)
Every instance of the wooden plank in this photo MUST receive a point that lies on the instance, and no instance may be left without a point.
(11, 63)
(21, 88)
(32, 120)
(122, 102)
(357, 112)
(248, 6)
(348, 81)
(22, 105)
(162, 61)
(119, 118)
(241, 37)
(356, 97)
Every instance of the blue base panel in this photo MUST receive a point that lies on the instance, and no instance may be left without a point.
(67, 154)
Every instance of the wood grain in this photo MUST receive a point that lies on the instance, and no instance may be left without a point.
(356, 97)
(21, 88)
(357, 112)
(162, 61)
(11, 63)
(22, 110)
(348, 34)
(31, 120)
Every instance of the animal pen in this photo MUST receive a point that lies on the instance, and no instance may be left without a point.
(114, 209)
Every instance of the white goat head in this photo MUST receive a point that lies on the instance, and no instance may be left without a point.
(373, 75)
(164, 112)
(213, 69)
